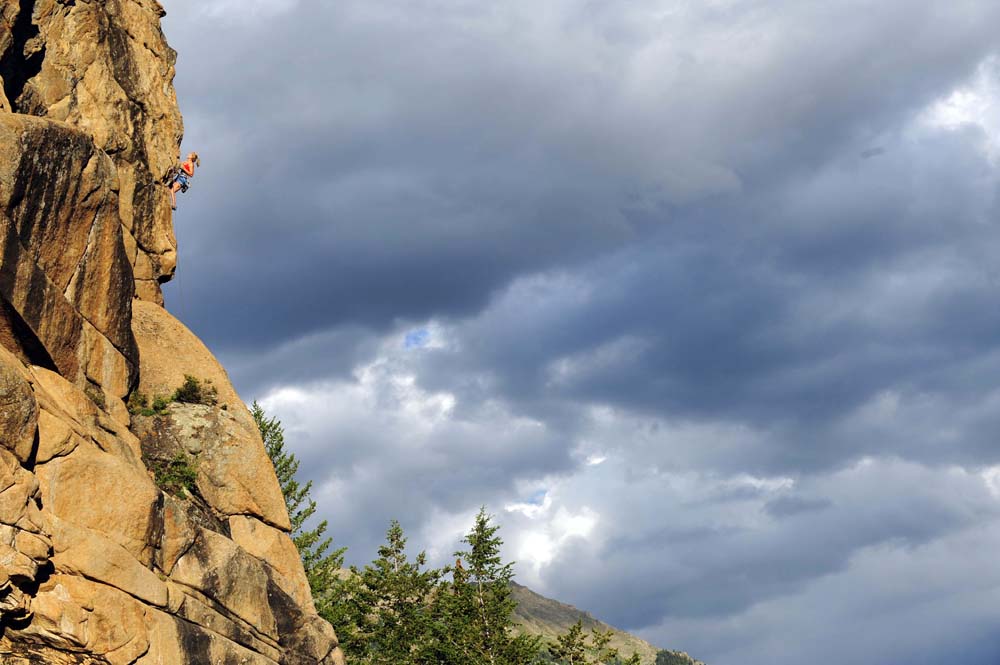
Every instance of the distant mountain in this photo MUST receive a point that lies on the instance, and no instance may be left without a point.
(538, 615)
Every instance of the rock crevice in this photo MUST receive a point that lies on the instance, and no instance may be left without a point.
(18, 65)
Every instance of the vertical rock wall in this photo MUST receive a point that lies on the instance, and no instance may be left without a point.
(105, 68)
(157, 539)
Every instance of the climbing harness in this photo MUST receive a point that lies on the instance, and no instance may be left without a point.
(176, 174)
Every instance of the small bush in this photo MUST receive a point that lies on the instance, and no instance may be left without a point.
(176, 476)
(138, 404)
(194, 392)
(96, 396)
(160, 404)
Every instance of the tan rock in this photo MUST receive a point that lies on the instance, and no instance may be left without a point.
(217, 568)
(81, 551)
(35, 546)
(277, 549)
(18, 409)
(235, 475)
(18, 488)
(174, 641)
(17, 565)
(108, 71)
(64, 399)
(84, 226)
(55, 437)
(65, 277)
(177, 536)
(100, 491)
(168, 351)
(71, 407)
(76, 613)
(202, 614)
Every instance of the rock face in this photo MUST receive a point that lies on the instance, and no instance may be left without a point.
(106, 69)
(124, 538)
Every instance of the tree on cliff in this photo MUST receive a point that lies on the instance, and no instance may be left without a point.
(322, 567)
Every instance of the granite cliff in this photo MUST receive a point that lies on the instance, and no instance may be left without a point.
(101, 561)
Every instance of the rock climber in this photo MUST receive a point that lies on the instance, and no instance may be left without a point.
(182, 180)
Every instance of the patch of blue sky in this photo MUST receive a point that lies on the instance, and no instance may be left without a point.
(417, 338)
(537, 498)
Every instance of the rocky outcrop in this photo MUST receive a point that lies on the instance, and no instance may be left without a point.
(106, 69)
(124, 538)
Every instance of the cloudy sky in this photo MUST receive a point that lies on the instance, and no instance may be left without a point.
(700, 297)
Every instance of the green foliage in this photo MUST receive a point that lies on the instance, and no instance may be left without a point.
(192, 391)
(573, 648)
(177, 476)
(386, 613)
(474, 613)
(665, 657)
(321, 565)
(399, 612)
(96, 396)
(138, 404)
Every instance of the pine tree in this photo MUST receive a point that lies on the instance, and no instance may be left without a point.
(322, 567)
(475, 612)
(574, 648)
(570, 648)
(387, 617)
(603, 653)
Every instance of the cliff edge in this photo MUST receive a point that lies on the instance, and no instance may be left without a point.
(127, 535)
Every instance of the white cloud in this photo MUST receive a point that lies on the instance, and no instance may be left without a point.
(236, 11)
(973, 105)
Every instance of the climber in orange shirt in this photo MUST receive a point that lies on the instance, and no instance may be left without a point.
(182, 180)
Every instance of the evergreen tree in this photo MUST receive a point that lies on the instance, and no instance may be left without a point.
(387, 607)
(322, 566)
(573, 648)
(570, 648)
(603, 654)
(475, 612)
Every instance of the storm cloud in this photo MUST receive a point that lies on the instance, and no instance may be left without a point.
(700, 298)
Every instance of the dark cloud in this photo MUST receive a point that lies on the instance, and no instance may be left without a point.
(700, 298)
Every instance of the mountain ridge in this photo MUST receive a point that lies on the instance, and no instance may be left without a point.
(536, 614)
